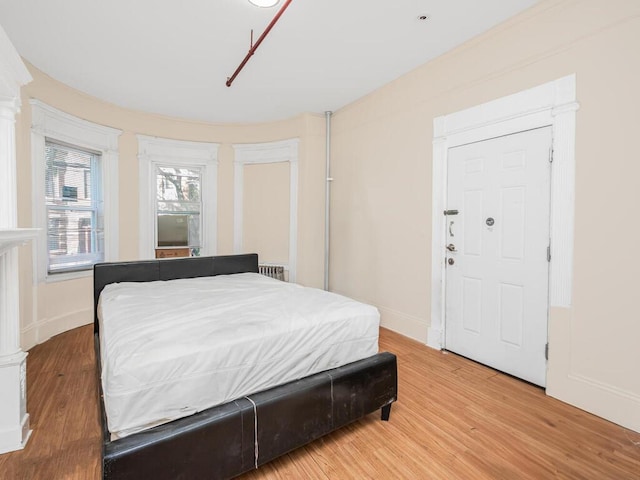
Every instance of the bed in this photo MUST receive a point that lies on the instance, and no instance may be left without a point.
(242, 432)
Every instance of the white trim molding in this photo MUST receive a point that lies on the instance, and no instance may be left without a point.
(13, 73)
(552, 104)
(49, 122)
(155, 151)
(271, 152)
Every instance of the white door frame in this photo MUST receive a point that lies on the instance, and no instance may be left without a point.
(553, 104)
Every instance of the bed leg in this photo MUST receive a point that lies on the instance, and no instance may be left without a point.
(386, 411)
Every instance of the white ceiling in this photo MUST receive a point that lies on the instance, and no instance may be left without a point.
(173, 57)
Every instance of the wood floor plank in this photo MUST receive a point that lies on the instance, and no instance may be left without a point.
(454, 419)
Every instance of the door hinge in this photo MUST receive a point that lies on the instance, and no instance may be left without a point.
(551, 155)
(546, 351)
(549, 253)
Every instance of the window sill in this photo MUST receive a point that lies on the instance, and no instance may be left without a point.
(62, 277)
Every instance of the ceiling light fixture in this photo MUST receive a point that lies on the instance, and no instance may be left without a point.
(264, 3)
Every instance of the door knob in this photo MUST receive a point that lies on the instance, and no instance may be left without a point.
(451, 247)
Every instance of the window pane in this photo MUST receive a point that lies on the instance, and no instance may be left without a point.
(68, 176)
(71, 240)
(181, 184)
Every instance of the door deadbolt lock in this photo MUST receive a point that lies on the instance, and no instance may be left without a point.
(451, 261)
(451, 247)
(490, 221)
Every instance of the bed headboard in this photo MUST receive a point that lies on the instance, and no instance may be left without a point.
(167, 269)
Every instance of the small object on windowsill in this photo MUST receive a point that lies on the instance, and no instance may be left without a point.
(172, 252)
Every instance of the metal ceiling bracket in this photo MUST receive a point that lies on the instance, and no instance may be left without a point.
(253, 47)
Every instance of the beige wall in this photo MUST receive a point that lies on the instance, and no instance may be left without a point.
(50, 308)
(381, 200)
(266, 223)
(381, 197)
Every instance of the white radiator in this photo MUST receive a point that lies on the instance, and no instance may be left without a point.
(273, 271)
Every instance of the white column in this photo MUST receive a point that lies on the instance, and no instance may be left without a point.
(8, 202)
(9, 329)
(14, 419)
(9, 310)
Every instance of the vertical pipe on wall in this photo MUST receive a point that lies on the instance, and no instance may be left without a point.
(327, 205)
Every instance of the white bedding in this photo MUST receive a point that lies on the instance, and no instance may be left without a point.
(173, 348)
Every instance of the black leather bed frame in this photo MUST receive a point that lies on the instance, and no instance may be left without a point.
(225, 441)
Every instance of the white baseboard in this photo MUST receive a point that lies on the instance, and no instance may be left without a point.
(407, 325)
(616, 405)
(29, 337)
(566, 381)
(43, 330)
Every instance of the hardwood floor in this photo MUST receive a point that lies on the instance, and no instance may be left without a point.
(454, 419)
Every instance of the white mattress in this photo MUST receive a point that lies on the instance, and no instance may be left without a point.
(173, 348)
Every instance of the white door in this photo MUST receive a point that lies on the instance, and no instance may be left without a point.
(497, 275)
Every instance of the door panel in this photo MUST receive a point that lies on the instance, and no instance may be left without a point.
(512, 209)
(472, 304)
(473, 225)
(497, 288)
(511, 313)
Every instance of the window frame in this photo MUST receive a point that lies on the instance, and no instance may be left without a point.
(158, 212)
(154, 152)
(50, 123)
(96, 209)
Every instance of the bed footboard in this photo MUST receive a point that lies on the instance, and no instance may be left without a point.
(222, 442)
